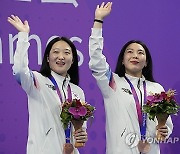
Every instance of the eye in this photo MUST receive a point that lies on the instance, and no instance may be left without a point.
(55, 51)
(67, 51)
(129, 51)
(141, 52)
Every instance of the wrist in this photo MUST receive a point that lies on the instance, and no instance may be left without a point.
(98, 20)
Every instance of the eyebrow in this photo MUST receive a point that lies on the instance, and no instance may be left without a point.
(141, 50)
(129, 49)
(133, 49)
(62, 49)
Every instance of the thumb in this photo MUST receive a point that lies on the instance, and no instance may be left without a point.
(26, 23)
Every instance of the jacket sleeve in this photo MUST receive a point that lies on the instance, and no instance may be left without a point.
(98, 65)
(23, 75)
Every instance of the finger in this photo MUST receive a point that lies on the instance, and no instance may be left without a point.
(80, 137)
(82, 140)
(80, 134)
(162, 127)
(110, 5)
(18, 19)
(97, 7)
(163, 130)
(102, 5)
(80, 130)
(10, 19)
(26, 23)
(164, 134)
(14, 18)
(107, 5)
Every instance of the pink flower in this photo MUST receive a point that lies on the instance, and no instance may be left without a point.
(78, 111)
(159, 97)
(156, 98)
(150, 99)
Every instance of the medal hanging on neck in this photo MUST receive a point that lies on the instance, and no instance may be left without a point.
(143, 145)
(68, 147)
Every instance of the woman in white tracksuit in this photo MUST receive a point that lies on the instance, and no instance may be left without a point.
(133, 73)
(46, 133)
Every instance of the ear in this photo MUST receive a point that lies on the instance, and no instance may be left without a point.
(72, 61)
(48, 59)
(122, 62)
(145, 64)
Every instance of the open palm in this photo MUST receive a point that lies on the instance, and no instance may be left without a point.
(18, 24)
(103, 10)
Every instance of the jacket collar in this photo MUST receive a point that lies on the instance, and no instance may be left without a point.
(60, 79)
(135, 80)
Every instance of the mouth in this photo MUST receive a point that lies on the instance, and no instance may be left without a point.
(134, 62)
(60, 63)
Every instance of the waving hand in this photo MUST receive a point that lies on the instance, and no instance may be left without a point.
(18, 24)
(103, 10)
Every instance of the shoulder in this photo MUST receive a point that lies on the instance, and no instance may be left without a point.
(117, 78)
(77, 92)
(154, 86)
(38, 76)
(76, 88)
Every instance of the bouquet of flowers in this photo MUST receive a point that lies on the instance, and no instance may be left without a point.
(76, 112)
(161, 105)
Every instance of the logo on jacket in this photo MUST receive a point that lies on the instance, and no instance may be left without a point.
(127, 91)
(51, 86)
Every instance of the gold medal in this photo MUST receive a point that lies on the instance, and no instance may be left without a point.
(68, 148)
(143, 146)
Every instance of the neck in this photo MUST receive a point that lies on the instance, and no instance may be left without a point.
(61, 74)
(138, 75)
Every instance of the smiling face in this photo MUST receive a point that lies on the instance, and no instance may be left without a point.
(134, 59)
(60, 58)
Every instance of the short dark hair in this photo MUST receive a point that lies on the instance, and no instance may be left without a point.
(74, 69)
(147, 71)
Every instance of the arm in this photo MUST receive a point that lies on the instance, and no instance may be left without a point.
(101, 12)
(21, 71)
(100, 68)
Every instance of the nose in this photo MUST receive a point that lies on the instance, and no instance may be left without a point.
(61, 56)
(135, 55)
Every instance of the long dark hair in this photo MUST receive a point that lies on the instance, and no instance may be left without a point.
(74, 69)
(147, 71)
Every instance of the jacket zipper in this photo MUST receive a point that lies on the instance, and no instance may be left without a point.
(138, 86)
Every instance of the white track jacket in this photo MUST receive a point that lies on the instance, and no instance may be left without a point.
(46, 133)
(122, 126)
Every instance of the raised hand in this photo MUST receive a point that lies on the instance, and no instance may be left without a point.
(103, 10)
(18, 24)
